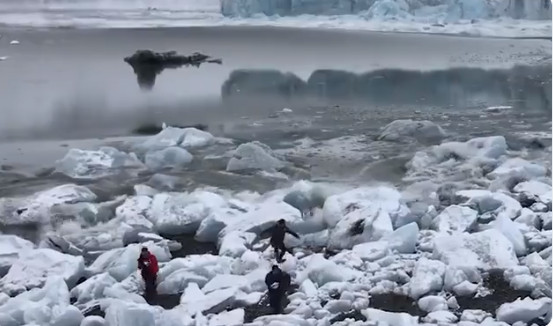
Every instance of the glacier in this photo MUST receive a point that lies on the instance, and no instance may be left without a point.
(447, 10)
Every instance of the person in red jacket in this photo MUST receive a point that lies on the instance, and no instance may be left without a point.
(147, 263)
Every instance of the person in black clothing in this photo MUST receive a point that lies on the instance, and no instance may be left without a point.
(277, 283)
(277, 239)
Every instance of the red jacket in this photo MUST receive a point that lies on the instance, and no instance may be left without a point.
(149, 263)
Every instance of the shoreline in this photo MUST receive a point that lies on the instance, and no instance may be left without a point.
(266, 28)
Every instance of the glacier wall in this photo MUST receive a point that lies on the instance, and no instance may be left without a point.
(447, 10)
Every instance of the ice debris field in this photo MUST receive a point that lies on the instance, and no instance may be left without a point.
(501, 18)
(474, 252)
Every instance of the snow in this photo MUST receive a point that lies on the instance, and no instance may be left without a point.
(35, 267)
(10, 248)
(523, 310)
(90, 164)
(428, 276)
(170, 157)
(254, 156)
(455, 218)
(405, 130)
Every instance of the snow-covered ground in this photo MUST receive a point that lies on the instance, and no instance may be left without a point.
(463, 17)
(464, 238)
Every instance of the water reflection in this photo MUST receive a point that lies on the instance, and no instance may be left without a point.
(528, 87)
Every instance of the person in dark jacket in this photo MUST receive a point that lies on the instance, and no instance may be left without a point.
(277, 283)
(277, 239)
(147, 263)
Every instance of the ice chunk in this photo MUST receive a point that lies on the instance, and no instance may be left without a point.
(455, 218)
(523, 282)
(10, 248)
(401, 130)
(120, 313)
(170, 157)
(70, 316)
(144, 190)
(487, 249)
(456, 160)
(360, 225)
(183, 213)
(235, 243)
(427, 276)
(92, 289)
(475, 316)
(37, 208)
(321, 271)
(518, 167)
(134, 212)
(390, 318)
(41, 306)
(171, 136)
(440, 317)
(34, 267)
(432, 303)
(386, 199)
(512, 232)
(523, 310)
(254, 156)
(194, 138)
(382, 9)
(88, 164)
(193, 300)
(486, 201)
(404, 239)
(177, 282)
(228, 318)
(465, 288)
(122, 262)
(93, 321)
(535, 190)
(225, 281)
(372, 251)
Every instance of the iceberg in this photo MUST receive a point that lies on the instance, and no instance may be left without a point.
(88, 164)
(170, 157)
(405, 130)
(254, 156)
(171, 136)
